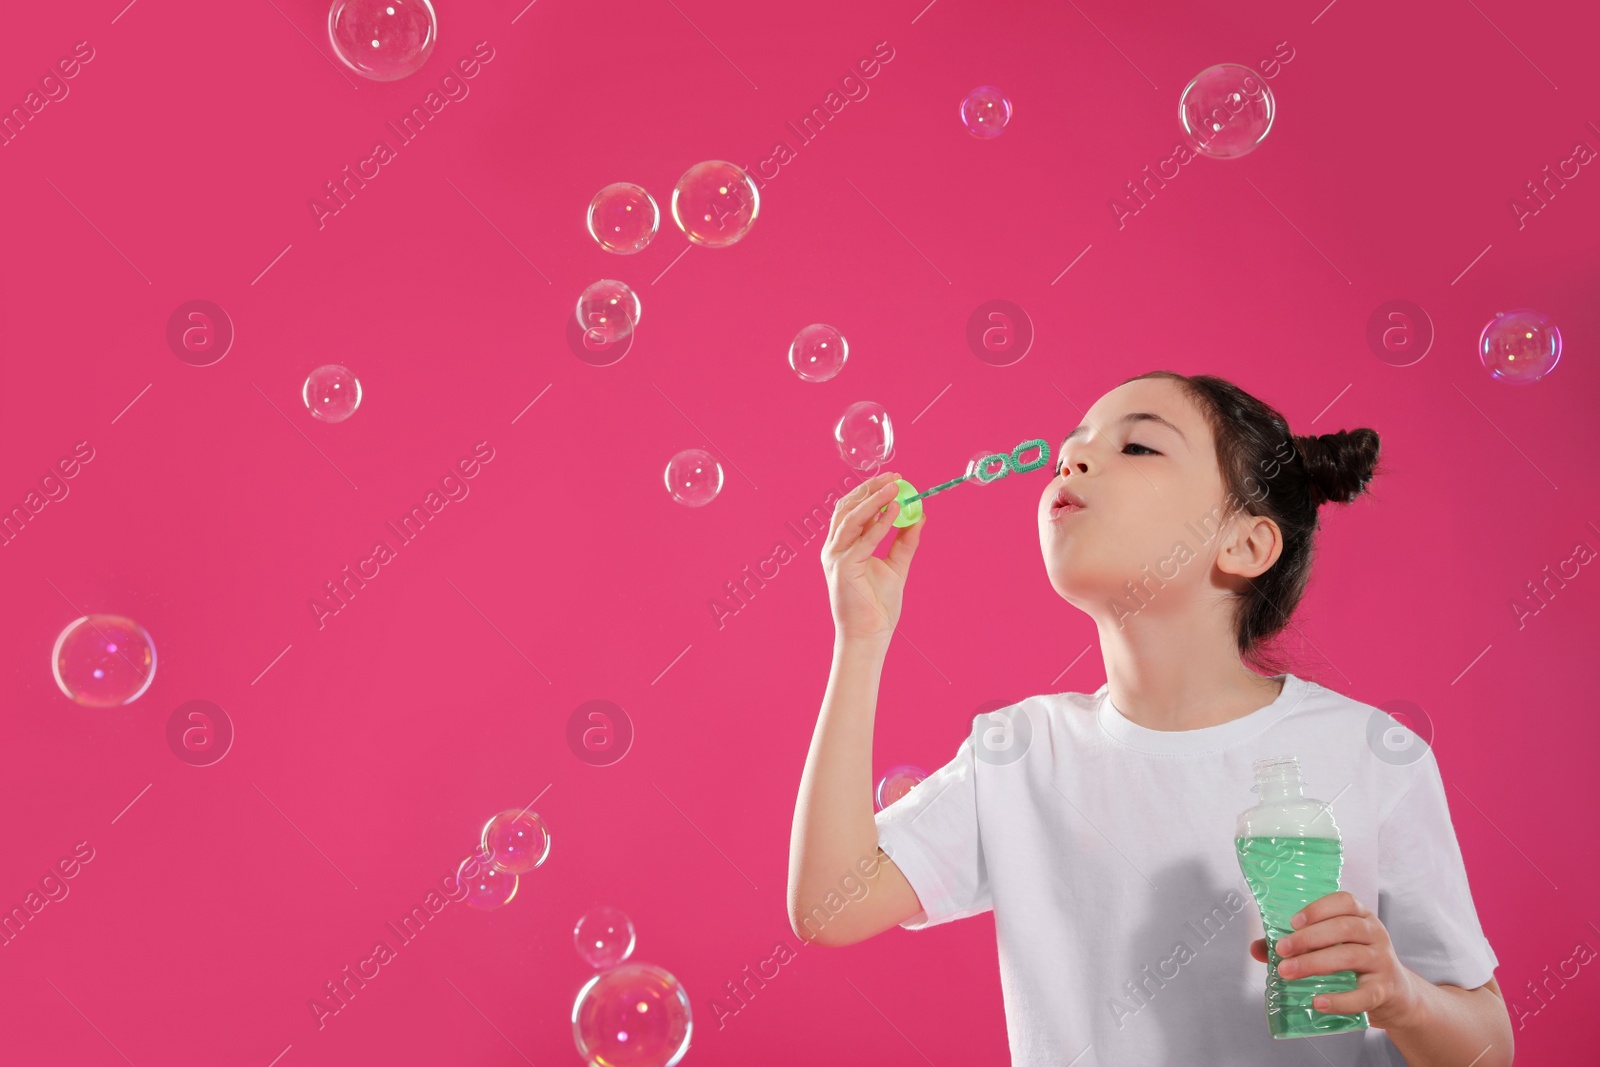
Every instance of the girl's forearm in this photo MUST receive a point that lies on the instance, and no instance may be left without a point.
(1454, 1027)
(833, 821)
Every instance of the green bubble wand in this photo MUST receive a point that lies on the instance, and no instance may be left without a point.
(984, 471)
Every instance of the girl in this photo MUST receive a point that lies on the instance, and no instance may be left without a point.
(1099, 827)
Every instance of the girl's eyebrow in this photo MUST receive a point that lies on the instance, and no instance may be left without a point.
(1132, 416)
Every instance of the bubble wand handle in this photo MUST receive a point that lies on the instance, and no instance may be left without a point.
(1010, 463)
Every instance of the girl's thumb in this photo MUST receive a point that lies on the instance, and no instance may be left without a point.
(905, 545)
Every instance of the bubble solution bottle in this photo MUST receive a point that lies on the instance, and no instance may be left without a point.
(1290, 854)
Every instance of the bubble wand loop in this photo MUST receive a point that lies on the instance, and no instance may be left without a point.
(981, 471)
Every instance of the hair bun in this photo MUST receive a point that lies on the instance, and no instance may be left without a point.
(1339, 465)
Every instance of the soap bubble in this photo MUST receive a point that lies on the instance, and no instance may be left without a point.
(1226, 110)
(623, 217)
(1519, 346)
(515, 841)
(897, 782)
(608, 311)
(487, 888)
(635, 1015)
(604, 937)
(818, 352)
(989, 469)
(865, 435)
(715, 203)
(382, 39)
(985, 112)
(694, 477)
(331, 393)
(101, 661)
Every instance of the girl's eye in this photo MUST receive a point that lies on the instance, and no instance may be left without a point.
(1130, 444)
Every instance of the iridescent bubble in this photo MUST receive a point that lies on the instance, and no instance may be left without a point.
(604, 937)
(633, 1015)
(864, 435)
(694, 477)
(623, 217)
(1226, 110)
(101, 661)
(331, 393)
(989, 468)
(818, 352)
(897, 782)
(985, 112)
(487, 888)
(515, 841)
(608, 311)
(1519, 346)
(715, 203)
(382, 39)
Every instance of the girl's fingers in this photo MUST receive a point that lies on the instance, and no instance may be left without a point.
(905, 546)
(860, 517)
(877, 529)
(846, 504)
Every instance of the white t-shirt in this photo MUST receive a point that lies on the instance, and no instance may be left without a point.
(1105, 850)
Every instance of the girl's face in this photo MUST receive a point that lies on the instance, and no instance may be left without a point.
(1145, 466)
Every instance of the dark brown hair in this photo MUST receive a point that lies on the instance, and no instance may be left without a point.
(1271, 472)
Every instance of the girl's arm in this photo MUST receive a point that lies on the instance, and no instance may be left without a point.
(1448, 1026)
(833, 847)
(842, 887)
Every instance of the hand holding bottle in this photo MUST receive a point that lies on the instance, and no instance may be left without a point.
(864, 591)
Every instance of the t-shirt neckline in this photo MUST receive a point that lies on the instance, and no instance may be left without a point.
(1206, 739)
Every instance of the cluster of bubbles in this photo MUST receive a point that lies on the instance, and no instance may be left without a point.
(896, 782)
(714, 203)
(512, 844)
(629, 1014)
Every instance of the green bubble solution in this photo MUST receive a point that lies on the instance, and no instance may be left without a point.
(1290, 853)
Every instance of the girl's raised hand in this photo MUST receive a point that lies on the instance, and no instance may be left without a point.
(864, 591)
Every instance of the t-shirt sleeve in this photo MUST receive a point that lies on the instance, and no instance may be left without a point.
(1423, 897)
(932, 835)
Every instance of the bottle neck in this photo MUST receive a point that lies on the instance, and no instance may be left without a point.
(1279, 780)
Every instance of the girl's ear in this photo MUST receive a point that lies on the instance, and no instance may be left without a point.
(1253, 546)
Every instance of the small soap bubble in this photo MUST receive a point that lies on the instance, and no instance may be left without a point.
(897, 782)
(818, 352)
(715, 203)
(623, 218)
(634, 1015)
(985, 112)
(101, 661)
(864, 435)
(382, 39)
(608, 311)
(694, 477)
(487, 887)
(1519, 346)
(604, 937)
(515, 841)
(1226, 110)
(977, 470)
(331, 393)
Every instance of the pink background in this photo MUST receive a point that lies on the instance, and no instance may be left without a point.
(180, 167)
